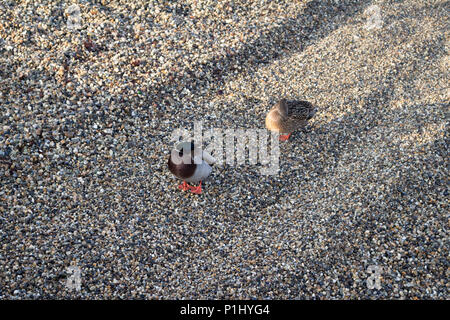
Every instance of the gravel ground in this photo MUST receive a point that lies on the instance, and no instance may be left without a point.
(85, 123)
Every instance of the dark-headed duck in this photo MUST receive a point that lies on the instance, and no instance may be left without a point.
(191, 164)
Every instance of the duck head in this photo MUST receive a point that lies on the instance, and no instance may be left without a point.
(282, 107)
(181, 160)
(185, 158)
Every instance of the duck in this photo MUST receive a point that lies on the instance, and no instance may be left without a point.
(191, 164)
(287, 116)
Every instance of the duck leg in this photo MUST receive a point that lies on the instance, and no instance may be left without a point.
(197, 190)
(285, 137)
(184, 186)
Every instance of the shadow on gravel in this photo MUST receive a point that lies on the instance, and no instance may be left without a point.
(323, 146)
(318, 19)
(352, 130)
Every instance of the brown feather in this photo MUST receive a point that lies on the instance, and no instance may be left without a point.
(182, 170)
(288, 116)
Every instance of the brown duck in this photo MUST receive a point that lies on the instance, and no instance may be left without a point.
(288, 116)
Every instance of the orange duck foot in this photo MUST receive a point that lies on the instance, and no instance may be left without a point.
(284, 137)
(197, 190)
(184, 186)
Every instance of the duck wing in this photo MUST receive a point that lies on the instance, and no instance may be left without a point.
(301, 110)
(202, 171)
